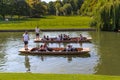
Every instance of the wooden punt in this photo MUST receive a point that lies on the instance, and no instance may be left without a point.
(55, 51)
(72, 40)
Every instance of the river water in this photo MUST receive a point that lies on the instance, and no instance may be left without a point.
(103, 59)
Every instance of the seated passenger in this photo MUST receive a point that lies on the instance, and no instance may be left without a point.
(61, 37)
(68, 37)
(44, 38)
(69, 48)
(47, 38)
(46, 47)
(41, 48)
(58, 38)
(82, 38)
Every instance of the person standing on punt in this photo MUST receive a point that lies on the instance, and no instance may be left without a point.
(37, 31)
(25, 40)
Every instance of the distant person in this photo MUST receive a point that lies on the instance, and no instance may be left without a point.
(81, 37)
(37, 31)
(25, 40)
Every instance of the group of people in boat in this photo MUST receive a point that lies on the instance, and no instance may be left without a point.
(44, 47)
(63, 37)
(59, 38)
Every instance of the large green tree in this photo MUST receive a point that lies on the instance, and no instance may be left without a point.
(106, 16)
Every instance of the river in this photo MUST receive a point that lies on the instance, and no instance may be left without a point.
(103, 59)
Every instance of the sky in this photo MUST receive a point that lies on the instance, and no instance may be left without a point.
(48, 0)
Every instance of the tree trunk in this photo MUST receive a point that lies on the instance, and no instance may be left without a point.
(3, 16)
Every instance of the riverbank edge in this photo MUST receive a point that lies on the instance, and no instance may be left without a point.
(50, 30)
(39, 76)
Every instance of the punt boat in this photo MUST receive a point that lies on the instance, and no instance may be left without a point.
(71, 40)
(55, 51)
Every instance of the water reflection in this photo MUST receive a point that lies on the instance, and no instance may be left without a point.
(67, 57)
(27, 63)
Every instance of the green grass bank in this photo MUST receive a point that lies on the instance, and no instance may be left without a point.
(48, 22)
(31, 76)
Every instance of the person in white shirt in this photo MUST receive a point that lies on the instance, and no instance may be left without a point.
(37, 31)
(25, 40)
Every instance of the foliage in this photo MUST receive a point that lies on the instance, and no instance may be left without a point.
(88, 7)
(22, 8)
(51, 8)
(105, 13)
(67, 9)
(58, 4)
(37, 8)
(108, 16)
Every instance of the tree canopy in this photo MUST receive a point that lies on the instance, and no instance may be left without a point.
(36, 8)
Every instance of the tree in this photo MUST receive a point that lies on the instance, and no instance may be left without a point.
(88, 7)
(51, 8)
(58, 4)
(107, 16)
(38, 10)
(22, 8)
(67, 8)
(3, 8)
(76, 5)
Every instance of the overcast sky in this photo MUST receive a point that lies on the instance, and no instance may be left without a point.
(48, 0)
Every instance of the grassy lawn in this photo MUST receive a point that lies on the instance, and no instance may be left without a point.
(49, 22)
(31, 76)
